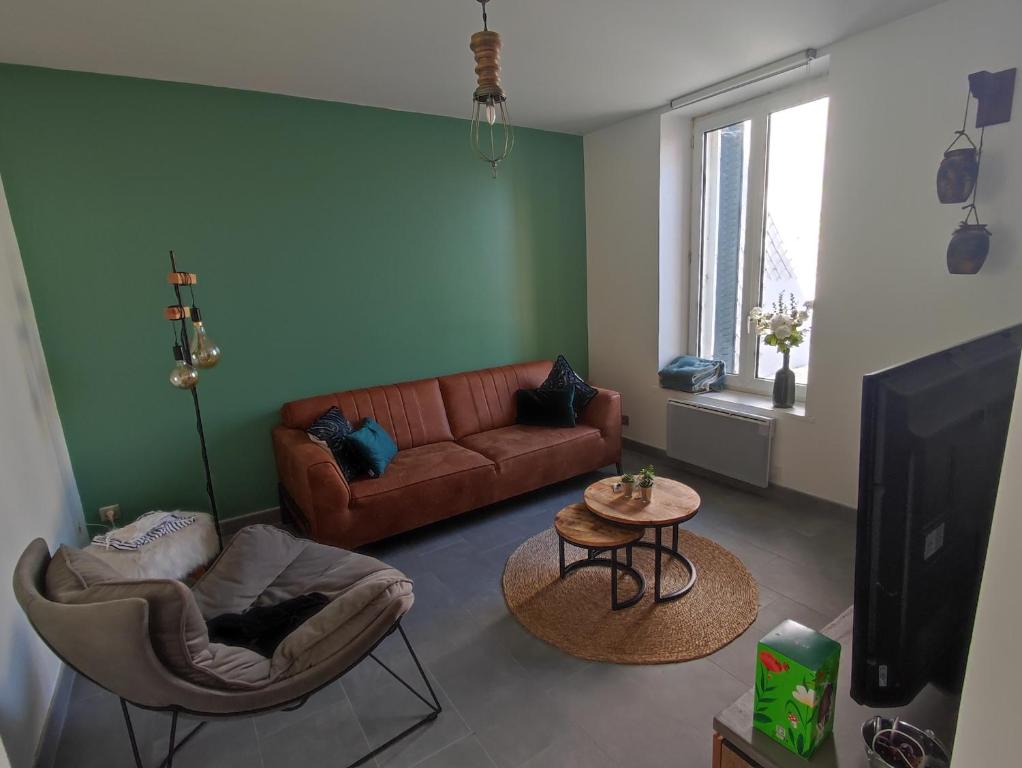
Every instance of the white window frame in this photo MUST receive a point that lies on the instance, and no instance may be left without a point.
(758, 111)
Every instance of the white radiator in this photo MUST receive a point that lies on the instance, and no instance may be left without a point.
(727, 442)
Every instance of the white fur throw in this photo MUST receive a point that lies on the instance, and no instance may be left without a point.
(172, 556)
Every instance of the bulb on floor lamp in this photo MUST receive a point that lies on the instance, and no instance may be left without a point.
(205, 352)
(182, 376)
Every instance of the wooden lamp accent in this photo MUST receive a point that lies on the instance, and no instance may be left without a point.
(485, 47)
(177, 312)
(182, 278)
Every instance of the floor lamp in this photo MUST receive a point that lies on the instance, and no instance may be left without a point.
(190, 355)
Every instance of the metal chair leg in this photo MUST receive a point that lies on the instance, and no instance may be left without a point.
(169, 762)
(131, 735)
(434, 707)
(172, 749)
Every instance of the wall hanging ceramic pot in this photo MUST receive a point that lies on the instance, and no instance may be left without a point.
(968, 249)
(956, 176)
(784, 386)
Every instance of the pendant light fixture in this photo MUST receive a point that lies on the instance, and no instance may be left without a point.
(493, 143)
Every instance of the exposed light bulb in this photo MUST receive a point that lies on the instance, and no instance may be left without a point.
(205, 351)
(182, 376)
(491, 113)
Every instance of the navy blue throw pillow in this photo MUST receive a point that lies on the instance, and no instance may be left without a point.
(332, 429)
(563, 376)
(546, 407)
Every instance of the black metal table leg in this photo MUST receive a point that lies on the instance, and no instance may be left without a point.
(657, 564)
(613, 579)
(560, 544)
(592, 559)
(659, 551)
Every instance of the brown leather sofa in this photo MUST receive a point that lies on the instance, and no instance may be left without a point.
(459, 449)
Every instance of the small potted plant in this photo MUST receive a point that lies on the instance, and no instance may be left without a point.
(645, 483)
(627, 485)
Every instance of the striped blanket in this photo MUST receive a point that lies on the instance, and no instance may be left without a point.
(144, 530)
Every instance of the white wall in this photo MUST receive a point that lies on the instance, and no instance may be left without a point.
(39, 498)
(622, 169)
(988, 721)
(883, 293)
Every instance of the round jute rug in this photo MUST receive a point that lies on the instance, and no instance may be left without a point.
(574, 614)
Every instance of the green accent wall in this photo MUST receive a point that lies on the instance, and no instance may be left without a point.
(337, 246)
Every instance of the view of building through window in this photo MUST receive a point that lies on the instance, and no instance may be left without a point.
(759, 230)
(791, 237)
(726, 157)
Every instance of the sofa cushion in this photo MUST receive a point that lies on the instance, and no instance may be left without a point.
(546, 407)
(264, 566)
(331, 431)
(421, 486)
(481, 400)
(72, 570)
(507, 443)
(413, 412)
(418, 465)
(563, 376)
(374, 446)
(178, 633)
(530, 457)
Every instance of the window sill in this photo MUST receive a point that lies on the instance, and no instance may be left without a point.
(742, 401)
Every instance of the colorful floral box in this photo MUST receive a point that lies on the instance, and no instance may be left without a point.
(796, 677)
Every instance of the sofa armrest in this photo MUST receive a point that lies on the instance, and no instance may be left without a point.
(604, 413)
(311, 476)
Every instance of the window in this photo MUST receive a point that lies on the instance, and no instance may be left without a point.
(756, 226)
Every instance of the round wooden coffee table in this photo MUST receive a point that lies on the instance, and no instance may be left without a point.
(576, 525)
(672, 504)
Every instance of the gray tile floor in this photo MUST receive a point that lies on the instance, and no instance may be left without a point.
(510, 699)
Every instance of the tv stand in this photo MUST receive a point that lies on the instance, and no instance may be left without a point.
(737, 745)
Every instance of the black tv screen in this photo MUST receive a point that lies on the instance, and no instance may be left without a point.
(932, 442)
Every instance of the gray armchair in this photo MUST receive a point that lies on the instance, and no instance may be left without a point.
(146, 640)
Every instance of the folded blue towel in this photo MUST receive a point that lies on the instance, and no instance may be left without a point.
(693, 374)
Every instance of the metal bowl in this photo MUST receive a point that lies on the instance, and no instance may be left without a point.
(934, 754)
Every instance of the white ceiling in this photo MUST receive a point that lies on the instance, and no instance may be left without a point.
(569, 65)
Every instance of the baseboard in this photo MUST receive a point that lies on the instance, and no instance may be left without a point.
(776, 492)
(53, 725)
(232, 525)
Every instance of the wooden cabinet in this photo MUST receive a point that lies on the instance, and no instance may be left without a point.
(726, 756)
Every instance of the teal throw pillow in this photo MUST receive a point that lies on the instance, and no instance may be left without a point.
(373, 445)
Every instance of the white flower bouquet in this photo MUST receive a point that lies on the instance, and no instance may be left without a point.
(786, 326)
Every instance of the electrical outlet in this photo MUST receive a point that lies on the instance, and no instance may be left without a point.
(624, 420)
(109, 514)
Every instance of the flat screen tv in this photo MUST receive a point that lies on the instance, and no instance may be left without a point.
(932, 442)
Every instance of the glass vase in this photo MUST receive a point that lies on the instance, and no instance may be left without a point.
(784, 385)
